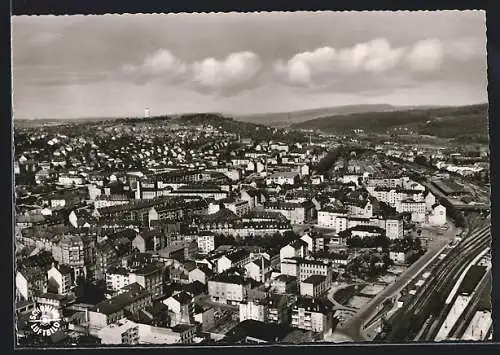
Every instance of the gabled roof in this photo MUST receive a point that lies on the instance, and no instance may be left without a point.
(183, 298)
(238, 255)
(298, 243)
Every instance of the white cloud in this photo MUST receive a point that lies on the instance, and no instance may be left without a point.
(235, 69)
(426, 55)
(375, 56)
(161, 65)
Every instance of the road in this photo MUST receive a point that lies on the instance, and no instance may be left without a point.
(353, 327)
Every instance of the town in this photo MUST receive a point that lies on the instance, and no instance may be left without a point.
(199, 229)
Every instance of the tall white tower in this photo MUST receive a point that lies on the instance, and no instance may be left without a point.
(147, 113)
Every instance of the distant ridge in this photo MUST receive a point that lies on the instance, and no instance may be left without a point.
(285, 119)
(445, 122)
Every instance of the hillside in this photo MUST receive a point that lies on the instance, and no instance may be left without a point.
(285, 119)
(243, 129)
(446, 122)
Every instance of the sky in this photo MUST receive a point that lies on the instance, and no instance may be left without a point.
(242, 63)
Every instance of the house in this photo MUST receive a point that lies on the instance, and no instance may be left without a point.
(283, 284)
(415, 208)
(238, 258)
(271, 309)
(149, 241)
(394, 227)
(134, 299)
(362, 231)
(297, 248)
(253, 196)
(116, 279)
(127, 332)
(437, 215)
(309, 267)
(399, 256)
(314, 286)
(239, 207)
(283, 178)
(206, 242)
(430, 200)
(360, 208)
(230, 289)
(327, 217)
(258, 270)
(181, 308)
(106, 255)
(317, 179)
(150, 277)
(310, 242)
(200, 273)
(81, 218)
(316, 315)
(205, 316)
(296, 213)
(31, 282)
(69, 250)
(60, 279)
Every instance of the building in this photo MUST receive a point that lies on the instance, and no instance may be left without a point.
(205, 316)
(106, 255)
(116, 279)
(314, 315)
(271, 309)
(295, 249)
(127, 332)
(430, 199)
(60, 279)
(134, 299)
(150, 277)
(363, 231)
(258, 270)
(102, 201)
(314, 286)
(437, 215)
(283, 178)
(30, 282)
(394, 228)
(415, 208)
(149, 241)
(69, 250)
(253, 310)
(200, 273)
(296, 213)
(206, 242)
(239, 207)
(283, 284)
(238, 258)
(255, 332)
(230, 289)
(327, 217)
(207, 192)
(122, 331)
(180, 308)
(399, 257)
(309, 267)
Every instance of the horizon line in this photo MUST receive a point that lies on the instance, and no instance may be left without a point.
(242, 114)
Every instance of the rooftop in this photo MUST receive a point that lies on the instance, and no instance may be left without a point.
(315, 279)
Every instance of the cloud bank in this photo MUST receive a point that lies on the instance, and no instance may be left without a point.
(320, 66)
(377, 56)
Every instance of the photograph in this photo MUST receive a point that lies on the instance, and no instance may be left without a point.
(258, 178)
